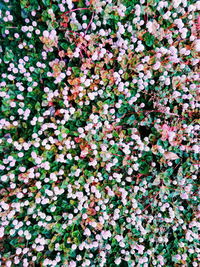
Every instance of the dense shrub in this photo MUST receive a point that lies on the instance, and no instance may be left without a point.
(99, 133)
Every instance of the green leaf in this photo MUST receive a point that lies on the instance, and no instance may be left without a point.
(24, 3)
(76, 233)
(149, 39)
(37, 106)
(131, 120)
(9, 55)
(46, 2)
(118, 229)
(64, 46)
(144, 168)
(76, 70)
(115, 134)
(166, 180)
(73, 253)
(74, 27)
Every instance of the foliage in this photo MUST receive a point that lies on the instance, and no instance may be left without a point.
(99, 133)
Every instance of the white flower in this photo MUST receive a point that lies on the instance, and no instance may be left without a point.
(197, 45)
(50, 11)
(102, 32)
(4, 178)
(118, 261)
(46, 34)
(72, 264)
(87, 232)
(157, 65)
(149, 26)
(95, 56)
(1, 232)
(5, 206)
(121, 29)
(196, 148)
(198, 5)
(87, 83)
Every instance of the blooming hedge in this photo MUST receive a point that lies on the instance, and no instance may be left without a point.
(99, 133)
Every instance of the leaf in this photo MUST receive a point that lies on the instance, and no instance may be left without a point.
(144, 168)
(149, 39)
(8, 55)
(131, 120)
(76, 70)
(76, 233)
(118, 229)
(125, 162)
(156, 181)
(64, 46)
(171, 155)
(24, 13)
(166, 180)
(37, 106)
(46, 2)
(74, 27)
(80, 3)
(72, 253)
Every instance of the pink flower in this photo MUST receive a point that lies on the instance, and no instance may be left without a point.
(61, 53)
(184, 196)
(198, 23)
(1, 232)
(167, 132)
(140, 249)
(87, 232)
(72, 264)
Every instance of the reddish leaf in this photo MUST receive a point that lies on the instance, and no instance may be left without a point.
(171, 155)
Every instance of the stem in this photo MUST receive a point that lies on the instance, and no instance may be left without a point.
(89, 23)
(76, 9)
(150, 203)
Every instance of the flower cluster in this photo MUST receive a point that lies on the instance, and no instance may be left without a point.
(49, 40)
(99, 133)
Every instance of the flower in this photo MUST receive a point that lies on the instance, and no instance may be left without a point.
(99, 133)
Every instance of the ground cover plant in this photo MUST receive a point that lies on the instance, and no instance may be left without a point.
(99, 125)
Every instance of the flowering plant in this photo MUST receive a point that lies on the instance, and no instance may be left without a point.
(99, 133)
